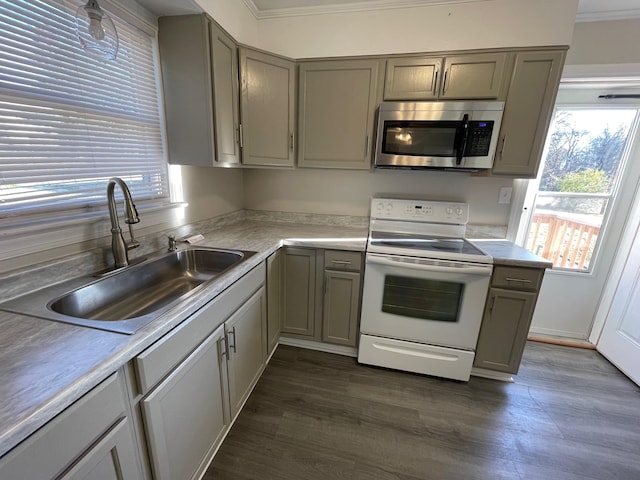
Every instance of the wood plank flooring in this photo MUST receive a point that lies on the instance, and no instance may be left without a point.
(569, 415)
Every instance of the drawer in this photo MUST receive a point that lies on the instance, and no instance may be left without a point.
(342, 260)
(517, 278)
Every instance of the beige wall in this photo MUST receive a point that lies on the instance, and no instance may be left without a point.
(211, 192)
(235, 17)
(607, 42)
(457, 26)
(348, 192)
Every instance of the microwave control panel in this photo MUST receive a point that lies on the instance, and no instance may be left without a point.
(479, 139)
(420, 210)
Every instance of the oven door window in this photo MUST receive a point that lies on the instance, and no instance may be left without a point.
(422, 298)
(421, 138)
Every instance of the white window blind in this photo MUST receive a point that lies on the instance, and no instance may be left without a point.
(69, 122)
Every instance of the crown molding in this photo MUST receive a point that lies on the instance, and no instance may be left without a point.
(347, 8)
(604, 16)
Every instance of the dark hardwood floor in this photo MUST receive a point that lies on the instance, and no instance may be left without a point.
(569, 415)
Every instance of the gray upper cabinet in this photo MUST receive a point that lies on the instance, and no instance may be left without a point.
(337, 104)
(472, 76)
(224, 57)
(267, 109)
(527, 112)
(200, 80)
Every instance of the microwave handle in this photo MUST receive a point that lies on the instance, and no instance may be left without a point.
(461, 143)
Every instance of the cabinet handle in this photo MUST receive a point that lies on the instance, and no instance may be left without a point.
(292, 143)
(366, 146)
(493, 300)
(504, 141)
(223, 353)
(241, 135)
(233, 332)
(434, 86)
(444, 83)
(341, 262)
(521, 280)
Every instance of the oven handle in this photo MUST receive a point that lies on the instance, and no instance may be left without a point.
(428, 265)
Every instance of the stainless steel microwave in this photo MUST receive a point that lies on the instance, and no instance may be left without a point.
(445, 135)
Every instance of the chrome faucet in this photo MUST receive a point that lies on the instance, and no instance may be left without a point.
(118, 246)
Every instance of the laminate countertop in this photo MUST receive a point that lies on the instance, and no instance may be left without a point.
(45, 366)
(509, 254)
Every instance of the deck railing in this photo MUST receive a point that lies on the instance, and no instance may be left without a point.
(563, 239)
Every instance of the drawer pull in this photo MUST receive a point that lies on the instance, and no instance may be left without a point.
(521, 280)
(341, 262)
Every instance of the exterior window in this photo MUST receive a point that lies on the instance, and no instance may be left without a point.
(584, 162)
(69, 122)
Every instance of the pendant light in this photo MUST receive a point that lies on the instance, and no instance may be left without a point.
(96, 32)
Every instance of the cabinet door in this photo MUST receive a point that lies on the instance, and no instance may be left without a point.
(247, 339)
(299, 283)
(112, 458)
(412, 78)
(267, 109)
(527, 112)
(185, 59)
(341, 307)
(473, 76)
(337, 107)
(186, 415)
(224, 55)
(504, 330)
(274, 300)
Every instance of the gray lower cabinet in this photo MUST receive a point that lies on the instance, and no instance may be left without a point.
(267, 109)
(507, 318)
(185, 415)
(342, 291)
(322, 291)
(199, 66)
(337, 104)
(247, 348)
(527, 112)
(299, 292)
(193, 381)
(274, 299)
(91, 439)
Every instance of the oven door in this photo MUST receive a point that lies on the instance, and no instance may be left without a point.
(425, 301)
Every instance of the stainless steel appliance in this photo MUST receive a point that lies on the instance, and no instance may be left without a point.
(425, 288)
(451, 135)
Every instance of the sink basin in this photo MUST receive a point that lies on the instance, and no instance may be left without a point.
(131, 297)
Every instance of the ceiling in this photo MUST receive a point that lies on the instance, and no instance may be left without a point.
(588, 10)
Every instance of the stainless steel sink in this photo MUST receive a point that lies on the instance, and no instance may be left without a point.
(131, 297)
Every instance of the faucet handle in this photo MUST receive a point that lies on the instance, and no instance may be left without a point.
(172, 243)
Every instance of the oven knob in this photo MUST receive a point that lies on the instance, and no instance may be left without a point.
(459, 211)
(388, 207)
(379, 206)
(449, 211)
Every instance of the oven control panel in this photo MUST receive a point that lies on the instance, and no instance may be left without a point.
(420, 210)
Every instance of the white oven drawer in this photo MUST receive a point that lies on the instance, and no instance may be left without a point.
(415, 357)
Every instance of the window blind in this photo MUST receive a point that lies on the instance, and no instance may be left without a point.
(69, 122)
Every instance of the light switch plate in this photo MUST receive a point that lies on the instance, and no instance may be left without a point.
(505, 195)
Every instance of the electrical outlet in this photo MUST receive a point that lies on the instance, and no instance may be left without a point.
(505, 195)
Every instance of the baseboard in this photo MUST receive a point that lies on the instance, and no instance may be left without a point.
(320, 346)
(565, 342)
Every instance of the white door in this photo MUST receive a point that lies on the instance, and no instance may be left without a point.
(575, 212)
(620, 339)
